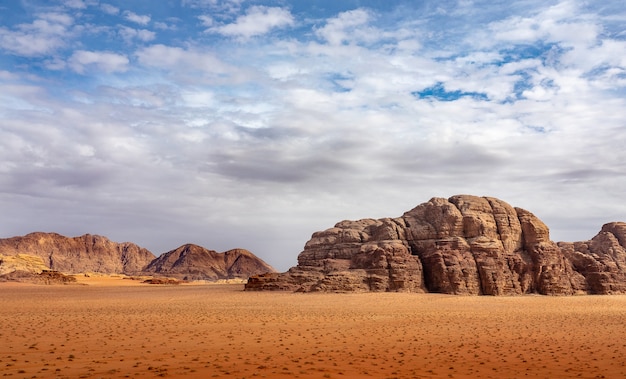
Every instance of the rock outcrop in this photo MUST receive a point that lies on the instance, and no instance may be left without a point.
(601, 262)
(462, 245)
(88, 253)
(192, 262)
(21, 262)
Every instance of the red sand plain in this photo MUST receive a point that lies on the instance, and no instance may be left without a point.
(115, 328)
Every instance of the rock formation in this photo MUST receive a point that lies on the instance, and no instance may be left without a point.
(192, 262)
(462, 245)
(36, 252)
(88, 253)
(601, 262)
(21, 262)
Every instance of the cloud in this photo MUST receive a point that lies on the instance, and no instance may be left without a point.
(76, 4)
(257, 21)
(191, 64)
(130, 34)
(345, 27)
(48, 33)
(206, 20)
(104, 61)
(109, 9)
(226, 6)
(164, 26)
(134, 17)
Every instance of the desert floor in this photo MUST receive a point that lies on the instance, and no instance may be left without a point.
(114, 328)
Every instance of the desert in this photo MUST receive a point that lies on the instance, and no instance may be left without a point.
(115, 327)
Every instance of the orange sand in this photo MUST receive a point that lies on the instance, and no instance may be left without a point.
(115, 328)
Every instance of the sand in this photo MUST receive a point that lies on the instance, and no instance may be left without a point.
(117, 328)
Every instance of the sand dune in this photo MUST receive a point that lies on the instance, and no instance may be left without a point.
(115, 328)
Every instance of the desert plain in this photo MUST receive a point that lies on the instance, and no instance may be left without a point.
(110, 327)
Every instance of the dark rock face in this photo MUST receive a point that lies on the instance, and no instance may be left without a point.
(462, 245)
(88, 253)
(192, 262)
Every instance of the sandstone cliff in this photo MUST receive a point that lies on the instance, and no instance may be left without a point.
(192, 262)
(88, 253)
(461, 245)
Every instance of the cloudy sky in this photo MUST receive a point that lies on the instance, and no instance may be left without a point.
(253, 124)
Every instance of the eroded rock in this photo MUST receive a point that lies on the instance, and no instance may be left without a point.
(465, 245)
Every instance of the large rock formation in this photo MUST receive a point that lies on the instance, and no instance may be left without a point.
(461, 245)
(88, 253)
(192, 262)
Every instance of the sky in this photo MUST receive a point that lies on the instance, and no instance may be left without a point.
(253, 124)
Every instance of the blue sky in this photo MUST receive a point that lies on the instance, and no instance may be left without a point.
(256, 123)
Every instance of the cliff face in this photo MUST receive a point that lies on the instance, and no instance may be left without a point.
(461, 245)
(600, 262)
(192, 262)
(87, 253)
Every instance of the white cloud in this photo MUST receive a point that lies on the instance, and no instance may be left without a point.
(206, 20)
(226, 6)
(258, 20)
(164, 26)
(345, 27)
(129, 34)
(107, 62)
(48, 33)
(134, 17)
(561, 23)
(183, 61)
(109, 9)
(76, 4)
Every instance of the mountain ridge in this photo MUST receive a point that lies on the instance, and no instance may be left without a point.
(95, 253)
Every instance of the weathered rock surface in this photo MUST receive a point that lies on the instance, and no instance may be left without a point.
(21, 262)
(193, 262)
(601, 262)
(462, 245)
(88, 253)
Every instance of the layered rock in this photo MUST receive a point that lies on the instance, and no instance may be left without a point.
(462, 245)
(87, 253)
(192, 262)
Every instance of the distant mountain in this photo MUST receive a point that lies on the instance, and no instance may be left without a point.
(193, 262)
(39, 251)
(87, 253)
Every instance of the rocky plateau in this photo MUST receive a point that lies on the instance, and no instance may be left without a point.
(464, 245)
